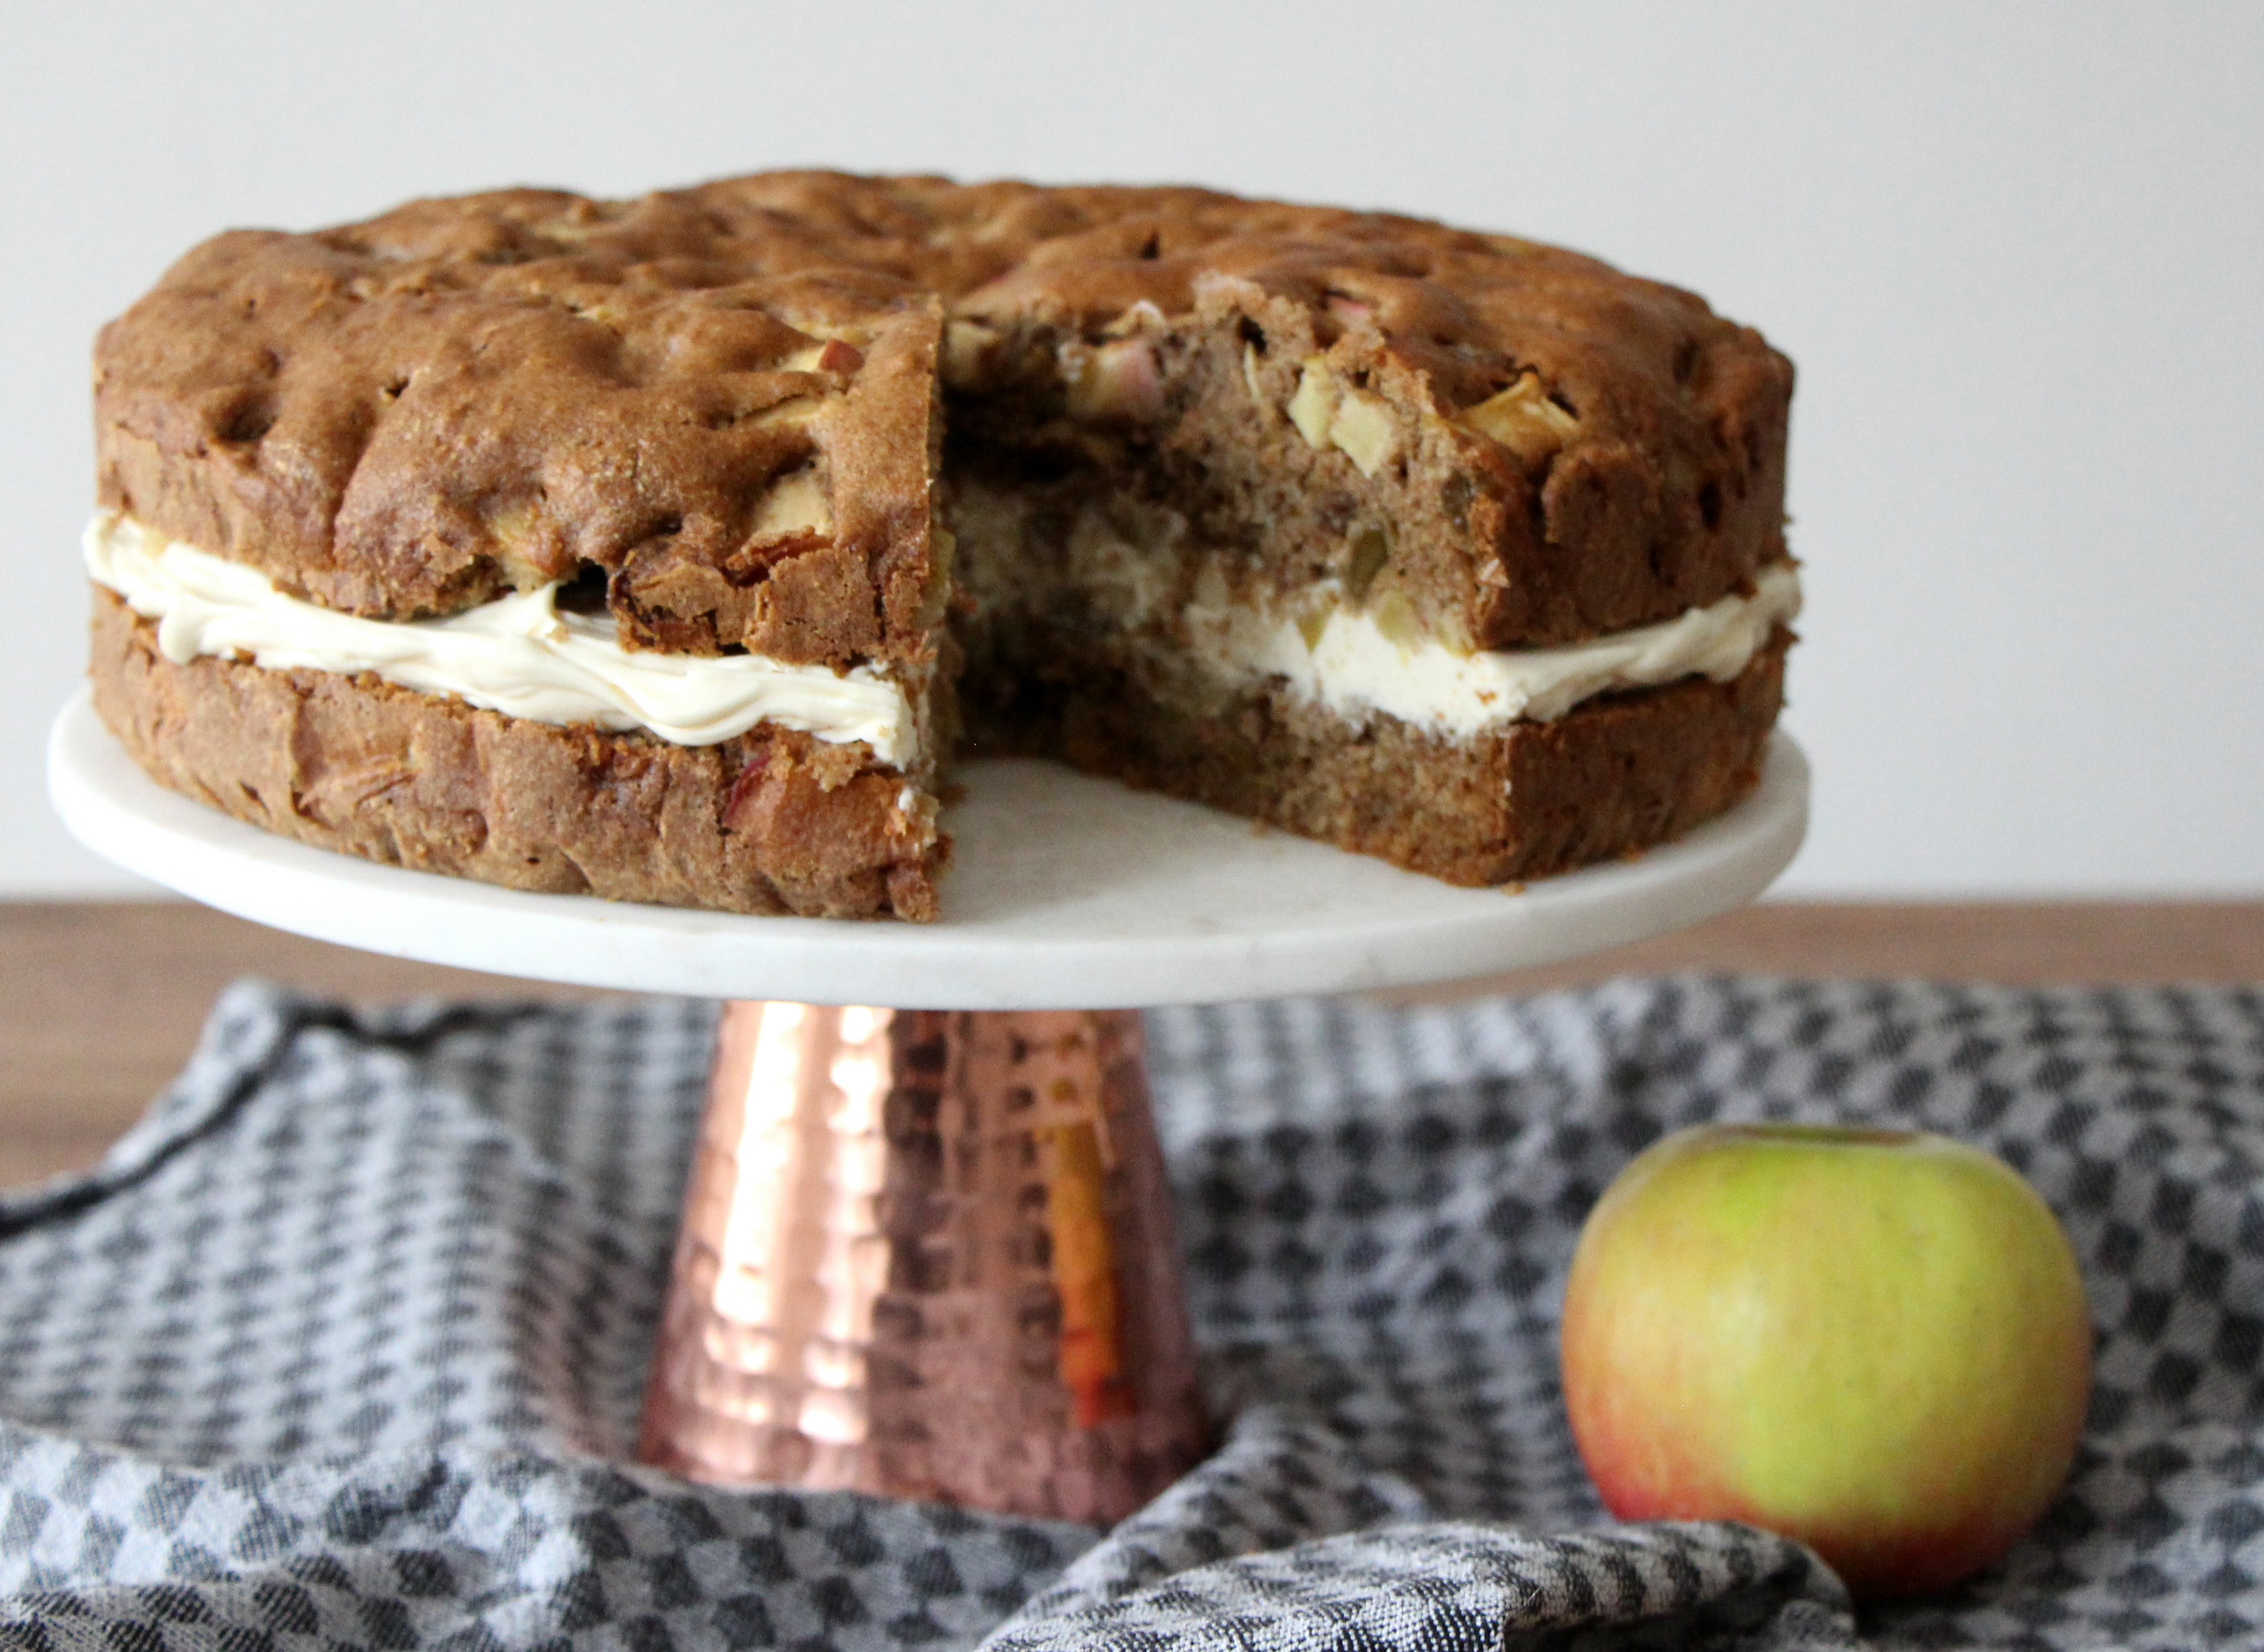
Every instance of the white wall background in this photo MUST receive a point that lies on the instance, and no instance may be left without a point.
(2017, 251)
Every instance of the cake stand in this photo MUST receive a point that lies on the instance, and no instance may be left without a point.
(927, 1251)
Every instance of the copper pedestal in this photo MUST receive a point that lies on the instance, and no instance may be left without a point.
(929, 1254)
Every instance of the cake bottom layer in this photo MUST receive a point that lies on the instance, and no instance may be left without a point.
(777, 822)
(771, 821)
(1615, 775)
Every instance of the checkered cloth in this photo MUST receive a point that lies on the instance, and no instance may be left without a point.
(342, 1346)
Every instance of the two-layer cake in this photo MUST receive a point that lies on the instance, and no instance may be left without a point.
(668, 549)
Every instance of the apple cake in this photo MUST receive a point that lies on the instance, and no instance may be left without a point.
(667, 549)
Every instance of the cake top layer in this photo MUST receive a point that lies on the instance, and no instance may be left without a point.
(726, 398)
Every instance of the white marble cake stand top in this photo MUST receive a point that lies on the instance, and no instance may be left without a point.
(1068, 893)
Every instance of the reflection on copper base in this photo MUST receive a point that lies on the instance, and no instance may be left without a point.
(929, 1254)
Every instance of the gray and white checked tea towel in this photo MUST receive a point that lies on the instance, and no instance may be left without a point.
(341, 1347)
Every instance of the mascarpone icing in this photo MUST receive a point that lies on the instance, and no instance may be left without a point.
(1349, 662)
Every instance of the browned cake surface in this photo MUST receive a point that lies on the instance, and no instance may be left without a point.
(413, 414)
(738, 414)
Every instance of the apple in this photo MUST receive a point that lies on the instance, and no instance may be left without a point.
(1873, 1341)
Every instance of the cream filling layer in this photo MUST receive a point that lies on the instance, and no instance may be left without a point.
(1348, 662)
(521, 654)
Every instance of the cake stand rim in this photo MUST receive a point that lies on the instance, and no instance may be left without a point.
(115, 809)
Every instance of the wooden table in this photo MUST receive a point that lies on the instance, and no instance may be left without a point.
(103, 1001)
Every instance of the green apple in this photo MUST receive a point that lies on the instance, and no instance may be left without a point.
(1873, 1341)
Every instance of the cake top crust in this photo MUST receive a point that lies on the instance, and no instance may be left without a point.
(727, 397)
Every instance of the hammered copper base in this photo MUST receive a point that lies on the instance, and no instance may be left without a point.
(929, 1254)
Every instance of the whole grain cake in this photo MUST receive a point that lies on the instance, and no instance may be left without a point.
(668, 549)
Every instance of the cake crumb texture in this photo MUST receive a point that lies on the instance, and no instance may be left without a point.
(1615, 775)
